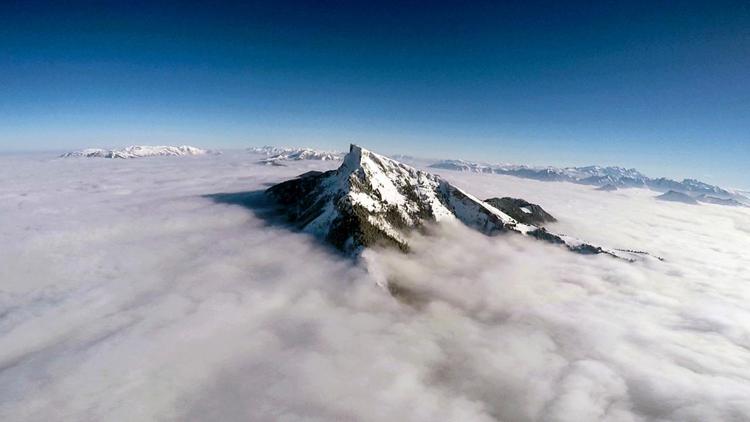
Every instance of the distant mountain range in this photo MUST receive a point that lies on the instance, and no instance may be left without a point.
(609, 178)
(374, 200)
(139, 151)
(275, 155)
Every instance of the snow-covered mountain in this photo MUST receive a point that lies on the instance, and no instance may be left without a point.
(276, 154)
(139, 151)
(371, 199)
(596, 176)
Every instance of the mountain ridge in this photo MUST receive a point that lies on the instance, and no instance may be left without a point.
(139, 151)
(274, 155)
(371, 199)
(614, 176)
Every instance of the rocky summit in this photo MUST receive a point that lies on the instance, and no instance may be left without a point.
(374, 200)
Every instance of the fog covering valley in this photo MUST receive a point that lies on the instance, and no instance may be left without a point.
(129, 290)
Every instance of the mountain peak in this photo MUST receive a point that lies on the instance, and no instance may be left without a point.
(353, 159)
(371, 199)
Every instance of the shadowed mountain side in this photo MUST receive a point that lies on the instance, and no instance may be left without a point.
(274, 214)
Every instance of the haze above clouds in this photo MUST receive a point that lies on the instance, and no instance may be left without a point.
(127, 294)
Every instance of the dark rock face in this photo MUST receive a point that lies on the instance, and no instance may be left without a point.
(675, 196)
(542, 234)
(522, 211)
(300, 196)
(305, 199)
(309, 196)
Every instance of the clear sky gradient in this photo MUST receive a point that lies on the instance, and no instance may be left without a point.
(661, 86)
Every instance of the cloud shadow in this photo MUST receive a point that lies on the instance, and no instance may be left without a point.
(256, 201)
(266, 209)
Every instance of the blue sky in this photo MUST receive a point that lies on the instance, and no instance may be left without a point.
(661, 87)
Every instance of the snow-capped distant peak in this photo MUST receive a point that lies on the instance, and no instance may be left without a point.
(612, 177)
(139, 151)
(276, 154)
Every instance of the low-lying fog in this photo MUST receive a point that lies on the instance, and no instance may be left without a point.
(126, 293)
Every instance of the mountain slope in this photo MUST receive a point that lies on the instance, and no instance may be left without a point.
(369, 199)
(372, 200)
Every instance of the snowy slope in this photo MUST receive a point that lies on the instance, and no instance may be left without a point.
(138, 151)
(372, 199)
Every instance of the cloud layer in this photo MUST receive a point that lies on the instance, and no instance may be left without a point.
(127, 294)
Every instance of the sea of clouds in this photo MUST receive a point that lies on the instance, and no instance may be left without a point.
(127, 292)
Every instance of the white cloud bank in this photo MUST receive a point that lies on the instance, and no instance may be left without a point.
(127, 295)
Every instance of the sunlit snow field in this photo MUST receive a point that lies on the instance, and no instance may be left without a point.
(127, 293)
